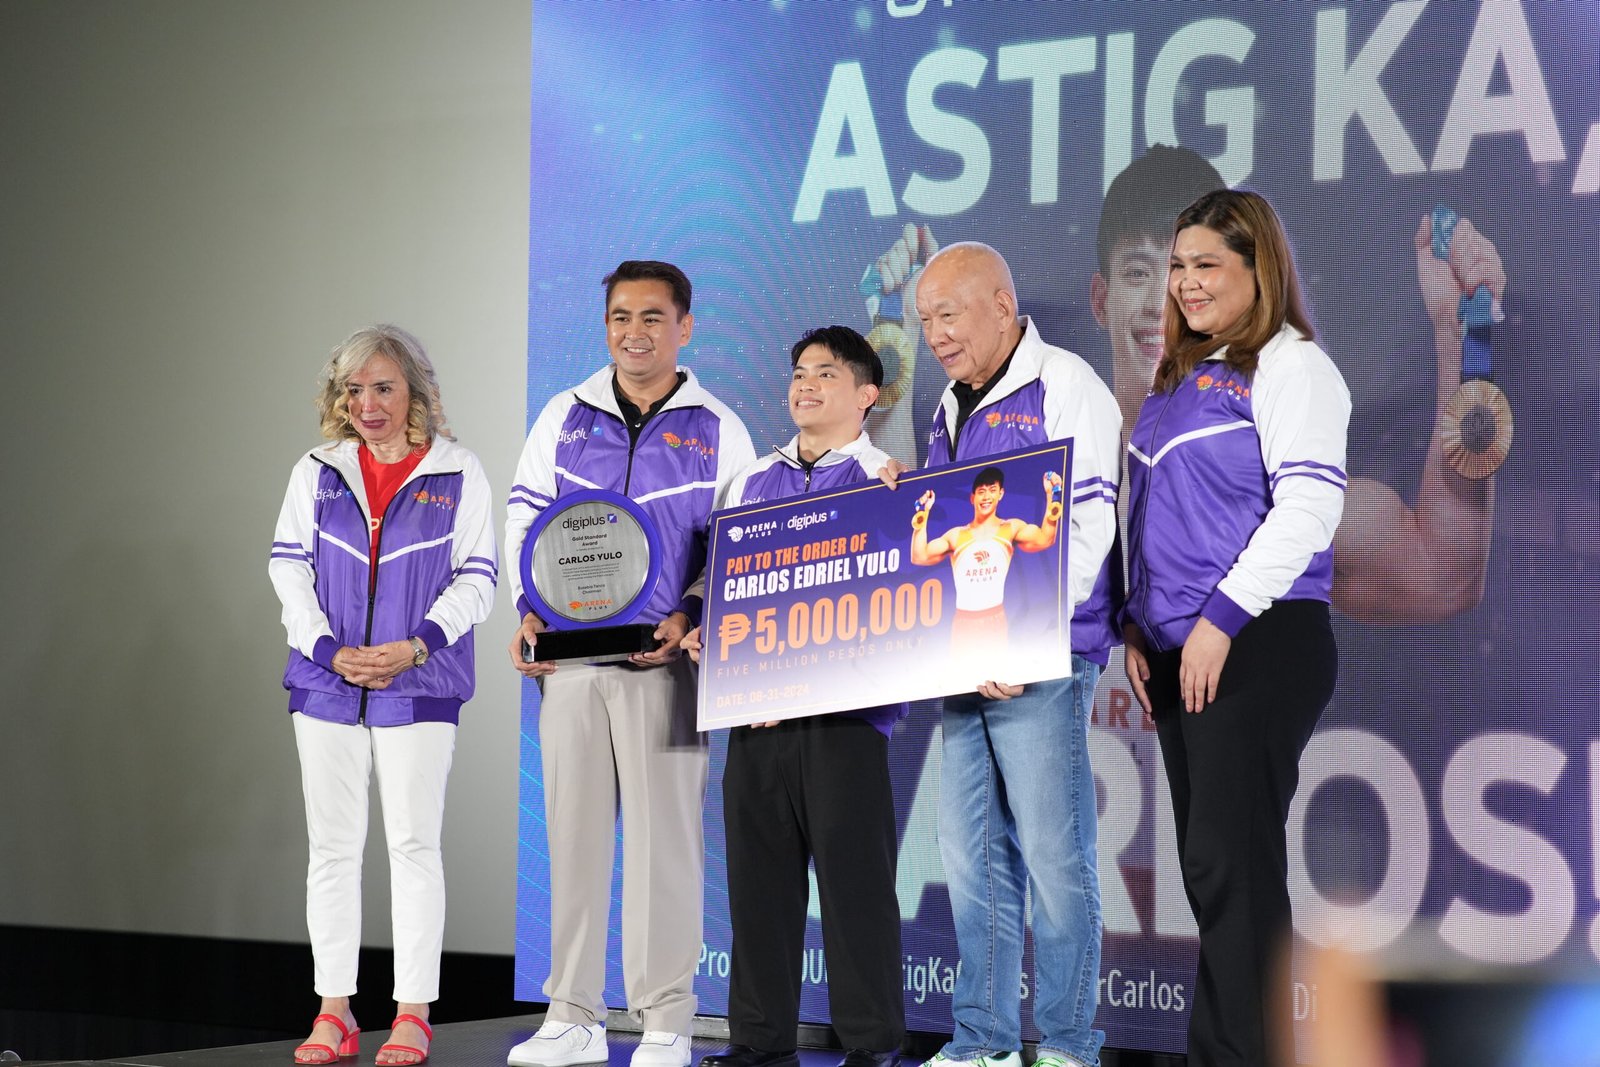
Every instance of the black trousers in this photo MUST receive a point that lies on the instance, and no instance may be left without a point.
(812, 789)
(1233, 769)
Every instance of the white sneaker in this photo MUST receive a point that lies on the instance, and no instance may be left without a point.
(560, 1045)
(1003, 1059)
(661, 1048)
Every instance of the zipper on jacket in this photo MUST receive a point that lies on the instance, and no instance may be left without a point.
(798, 461)
(372, 588)
(372, 596)
(646, 417)
(809, 467)
(633, 444)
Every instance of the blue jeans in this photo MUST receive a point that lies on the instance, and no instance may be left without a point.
(1017, 809)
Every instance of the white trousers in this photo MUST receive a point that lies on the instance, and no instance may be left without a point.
(336, 765)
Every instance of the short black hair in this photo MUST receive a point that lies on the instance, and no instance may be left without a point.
(847, 347)
(989, 476)
(638, 270)
(1146, 197)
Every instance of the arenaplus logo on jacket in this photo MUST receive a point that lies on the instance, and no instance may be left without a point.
(438, 500)
(1012, 418)
(694, 443)
(1234, 388)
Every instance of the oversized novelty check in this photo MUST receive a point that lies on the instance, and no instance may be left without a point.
(865, 596)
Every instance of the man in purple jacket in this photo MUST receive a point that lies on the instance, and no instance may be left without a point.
(814, 789)
(625, 733)
(1017, 799)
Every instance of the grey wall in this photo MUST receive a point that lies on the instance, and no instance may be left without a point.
(199, 200)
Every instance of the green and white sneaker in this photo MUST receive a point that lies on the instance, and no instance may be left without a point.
(999, 1059)
(1056, 1059)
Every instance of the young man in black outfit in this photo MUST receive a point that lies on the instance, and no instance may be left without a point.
(814, 789)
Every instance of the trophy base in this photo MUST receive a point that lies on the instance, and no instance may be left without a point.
(600, 644)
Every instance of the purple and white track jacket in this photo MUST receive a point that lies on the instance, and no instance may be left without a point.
(779, 475)
(1237, 487)
(1048, 394)
(688, 454)
(436, 577)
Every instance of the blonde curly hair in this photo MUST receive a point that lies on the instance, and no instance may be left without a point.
(424, 420)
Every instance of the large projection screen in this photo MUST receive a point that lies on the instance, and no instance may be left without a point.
(776, 149)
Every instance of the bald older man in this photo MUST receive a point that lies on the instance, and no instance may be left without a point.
(1017, 799)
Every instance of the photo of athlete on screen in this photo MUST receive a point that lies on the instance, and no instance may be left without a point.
(1394, 563)
(980, 557)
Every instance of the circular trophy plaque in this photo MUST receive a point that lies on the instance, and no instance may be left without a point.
(590, 559)
(589, 563)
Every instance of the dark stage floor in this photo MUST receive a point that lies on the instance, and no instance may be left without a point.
(473, 1044)
(486, 1042)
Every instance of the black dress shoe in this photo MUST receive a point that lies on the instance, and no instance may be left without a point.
(745, 1056)
(860, 1057)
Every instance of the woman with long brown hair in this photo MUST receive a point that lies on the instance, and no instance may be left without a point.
(1236, 468)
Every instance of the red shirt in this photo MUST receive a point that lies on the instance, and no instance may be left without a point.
(382, 480)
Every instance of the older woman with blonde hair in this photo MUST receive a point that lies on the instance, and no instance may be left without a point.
(384, 560)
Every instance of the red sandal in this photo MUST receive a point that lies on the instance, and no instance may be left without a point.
(421, 1024)
(349, 1043)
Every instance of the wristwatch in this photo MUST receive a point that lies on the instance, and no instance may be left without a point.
(419, 652)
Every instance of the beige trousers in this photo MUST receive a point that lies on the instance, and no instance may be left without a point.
(610, 737)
